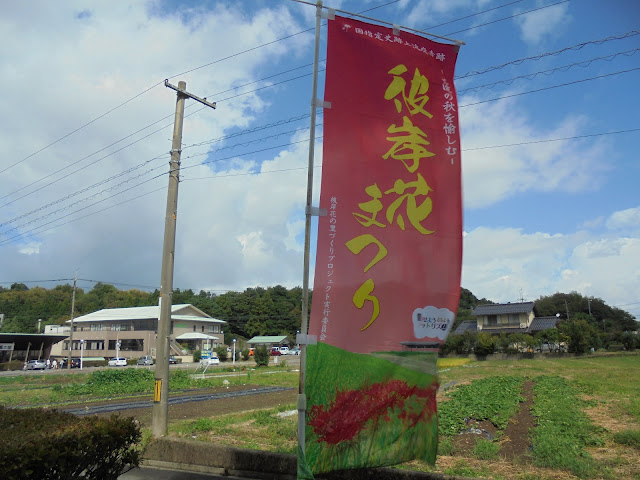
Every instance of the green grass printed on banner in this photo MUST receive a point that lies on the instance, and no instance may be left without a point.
(393, 436)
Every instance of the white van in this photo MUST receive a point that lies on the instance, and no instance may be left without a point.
(284, 350)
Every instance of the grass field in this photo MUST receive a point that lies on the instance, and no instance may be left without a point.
(587, 413)
(587, 422)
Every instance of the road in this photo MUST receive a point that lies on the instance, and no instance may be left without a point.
(292, 361)
(147, 473)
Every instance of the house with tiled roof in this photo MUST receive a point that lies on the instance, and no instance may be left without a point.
(507, 318)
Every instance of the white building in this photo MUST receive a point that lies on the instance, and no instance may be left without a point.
(132, 332)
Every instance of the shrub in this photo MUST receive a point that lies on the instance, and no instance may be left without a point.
(261, 356)
(245, 354)
(222, 353)
(197, 355)
(485, 344)
(12, 365)
(95, 363)
(55, 445)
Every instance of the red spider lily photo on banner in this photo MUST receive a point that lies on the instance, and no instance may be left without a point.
(388, 262)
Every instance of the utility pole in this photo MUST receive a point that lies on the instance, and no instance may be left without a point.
(161, 387)
(73, 312)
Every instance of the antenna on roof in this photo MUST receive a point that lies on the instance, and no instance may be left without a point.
(521, 297)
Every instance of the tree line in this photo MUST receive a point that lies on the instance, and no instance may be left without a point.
(259, 311)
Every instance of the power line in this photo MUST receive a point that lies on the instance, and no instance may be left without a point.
(473, 15)
(81, 127)
(37, 281)
(507, 18)
(81, 168)
(33, 231)
(117, 283)
(302, 168)
(564, 68)
(8, 240)
(237, 134)
(551, 140)
(86, 189)
(518, 61)
(71, 205)
(549, 88)
(576, 47)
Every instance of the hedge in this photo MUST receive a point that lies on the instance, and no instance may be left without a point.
(49, 444)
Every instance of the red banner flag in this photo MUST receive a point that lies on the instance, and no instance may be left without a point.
(387, 274)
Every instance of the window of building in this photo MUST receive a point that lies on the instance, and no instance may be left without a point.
(492, 320)
(202, 328)
(128, 344)
(514, 319)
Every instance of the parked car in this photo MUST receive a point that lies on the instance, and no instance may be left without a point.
(172, 360)
(252, 352)
(294, 351)
(75, 363)
(35, 365)
(275, 352)
(117, 362)
(146, 360)
(212, 360)
(284, 350)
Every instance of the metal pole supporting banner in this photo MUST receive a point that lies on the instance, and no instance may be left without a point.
(302, 399)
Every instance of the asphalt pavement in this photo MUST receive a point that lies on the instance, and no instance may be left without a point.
(148, 473)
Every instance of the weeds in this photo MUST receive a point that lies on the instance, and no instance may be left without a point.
(485, 449)
(630, 438)
(563, 430)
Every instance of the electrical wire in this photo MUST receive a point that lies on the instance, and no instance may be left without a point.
(473, 15)
(564, 68)
(304, 168)
(37, 281)
(117, 283)
(576, 47)
(549, 88)
(8, 240)
(517, 62)
(84, 190)
(507, 18)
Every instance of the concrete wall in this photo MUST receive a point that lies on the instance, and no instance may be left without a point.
(194, 456)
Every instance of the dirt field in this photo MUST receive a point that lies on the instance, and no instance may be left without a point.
(206, 408)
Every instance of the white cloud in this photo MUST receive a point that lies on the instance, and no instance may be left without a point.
(76, 69)
(625, 219)
(493, 175)
(500, 263)
(537, 26)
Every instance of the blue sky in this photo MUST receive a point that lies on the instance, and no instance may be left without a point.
(90, 121)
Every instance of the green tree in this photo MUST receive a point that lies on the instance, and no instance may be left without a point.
(485, 344)
(261, 356)
(630, 341)
(222, 353)
(582, 335)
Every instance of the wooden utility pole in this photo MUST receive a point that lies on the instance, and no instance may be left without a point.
(73, 313)
(161, 387)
